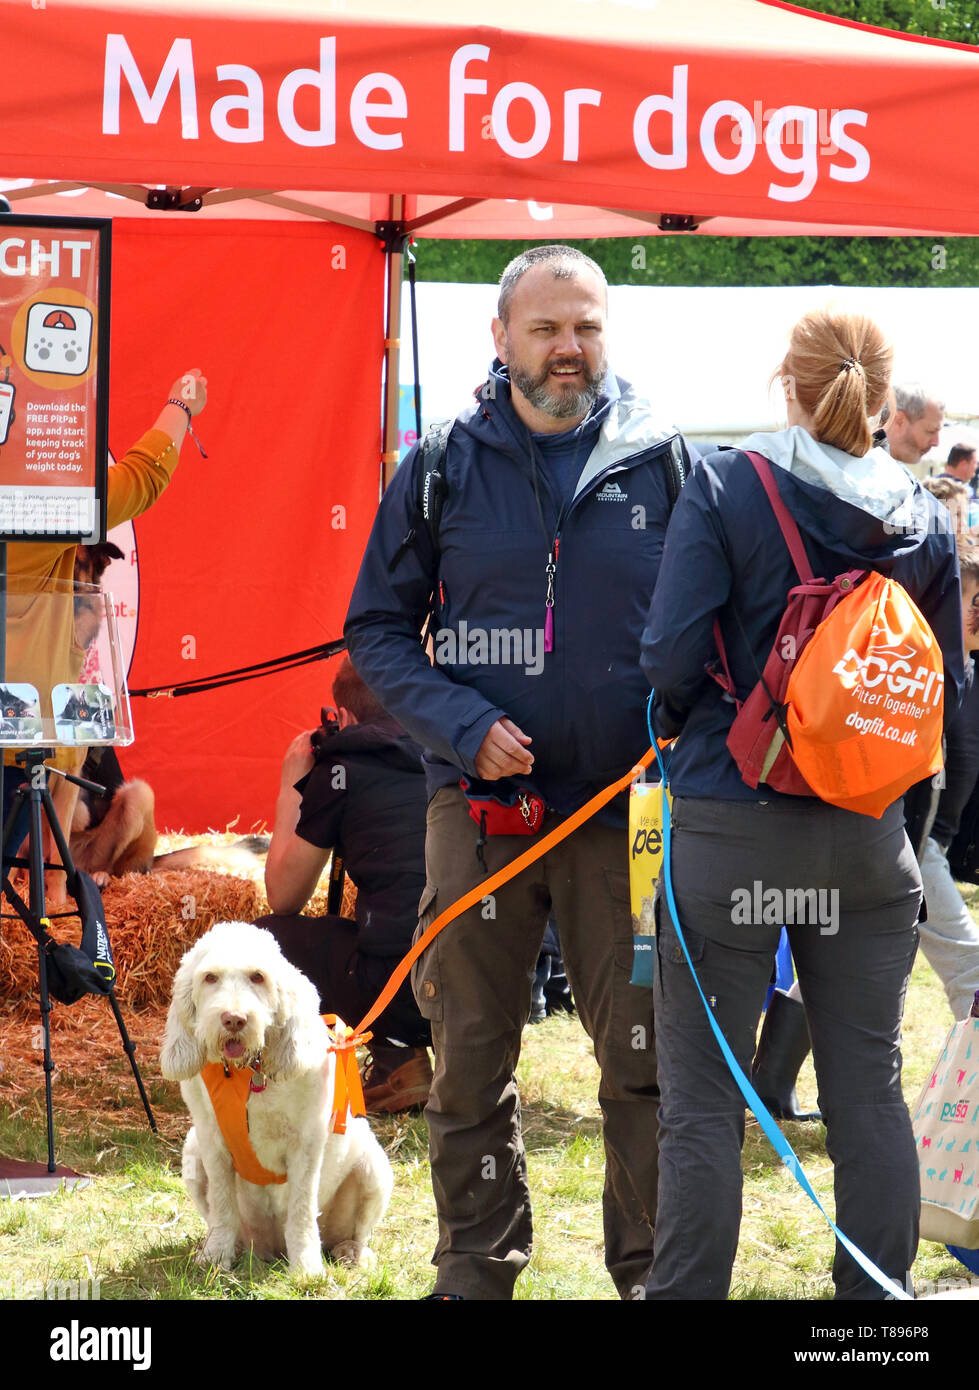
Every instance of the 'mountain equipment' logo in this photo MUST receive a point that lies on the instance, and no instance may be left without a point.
(611, 492)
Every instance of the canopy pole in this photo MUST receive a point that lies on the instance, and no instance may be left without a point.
(393, 235)
(416, 373)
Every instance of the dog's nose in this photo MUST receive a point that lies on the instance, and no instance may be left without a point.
(233, 1022)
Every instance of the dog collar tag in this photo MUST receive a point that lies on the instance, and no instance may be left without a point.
(257, 1082)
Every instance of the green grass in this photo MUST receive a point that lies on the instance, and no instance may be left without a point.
(136, 1231)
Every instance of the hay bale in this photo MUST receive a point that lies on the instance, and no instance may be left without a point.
(18, 961)
(250, 864)
(152, 920)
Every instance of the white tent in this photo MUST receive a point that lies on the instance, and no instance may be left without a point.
(706, 355)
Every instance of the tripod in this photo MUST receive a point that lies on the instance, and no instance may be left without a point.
(37, 796)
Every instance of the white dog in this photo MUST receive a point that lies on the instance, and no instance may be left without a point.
(238, 1001)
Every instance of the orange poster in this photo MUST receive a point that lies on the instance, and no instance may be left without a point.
(54, 302)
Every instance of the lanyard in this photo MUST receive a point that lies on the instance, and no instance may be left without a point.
(554, 544)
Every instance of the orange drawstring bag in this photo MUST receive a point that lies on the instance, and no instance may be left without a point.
(850, 703)
(865, 700)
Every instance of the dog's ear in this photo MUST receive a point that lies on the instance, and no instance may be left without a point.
(295, 1041)
(182, 1055)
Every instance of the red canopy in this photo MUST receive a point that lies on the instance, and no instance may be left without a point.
(727, 109)
(552, 119)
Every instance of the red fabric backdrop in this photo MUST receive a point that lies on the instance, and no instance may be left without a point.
(246, 555)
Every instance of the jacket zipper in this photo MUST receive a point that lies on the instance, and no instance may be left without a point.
(620, 466)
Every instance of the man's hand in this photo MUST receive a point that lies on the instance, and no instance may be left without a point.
(503, 752)
(298, 759)
(191, 388)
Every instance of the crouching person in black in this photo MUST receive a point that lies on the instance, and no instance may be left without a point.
(359, 791)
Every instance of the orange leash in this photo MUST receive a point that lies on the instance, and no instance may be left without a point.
(229, 1093)
(476, 895)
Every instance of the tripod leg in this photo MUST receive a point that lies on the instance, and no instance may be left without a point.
(36, 862)
(70, 870)
(41, 803)
(129, 1047)
(42, 970)
(58, 835)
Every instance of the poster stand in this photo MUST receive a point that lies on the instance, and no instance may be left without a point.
(61, 675)
(54, 387)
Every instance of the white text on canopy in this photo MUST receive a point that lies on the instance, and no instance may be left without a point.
(520, 116)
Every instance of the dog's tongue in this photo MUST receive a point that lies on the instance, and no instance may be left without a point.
(234, 1049)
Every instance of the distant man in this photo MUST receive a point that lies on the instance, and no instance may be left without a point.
(915, 424)
(962, 465)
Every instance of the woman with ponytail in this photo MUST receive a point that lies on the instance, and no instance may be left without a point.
(725, 558)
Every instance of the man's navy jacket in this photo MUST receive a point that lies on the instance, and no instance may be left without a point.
(584, 708)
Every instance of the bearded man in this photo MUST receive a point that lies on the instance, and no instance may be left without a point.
(558, 485)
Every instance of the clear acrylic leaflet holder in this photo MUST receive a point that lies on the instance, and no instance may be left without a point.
(62, 684)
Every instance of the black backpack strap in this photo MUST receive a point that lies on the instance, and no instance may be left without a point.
(431, 489)
(432, 484)
(677, 465)
(334, 896)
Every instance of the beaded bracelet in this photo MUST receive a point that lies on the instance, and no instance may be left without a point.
(190, 423)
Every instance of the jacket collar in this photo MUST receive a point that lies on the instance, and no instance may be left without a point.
(623, 421)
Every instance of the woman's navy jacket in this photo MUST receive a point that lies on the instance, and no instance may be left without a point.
(725, 551)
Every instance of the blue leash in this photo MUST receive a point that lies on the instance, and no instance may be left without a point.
(772, 1132)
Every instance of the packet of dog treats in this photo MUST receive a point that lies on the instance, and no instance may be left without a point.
(646, 811)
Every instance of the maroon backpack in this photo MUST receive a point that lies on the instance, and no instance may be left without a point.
(759, 740)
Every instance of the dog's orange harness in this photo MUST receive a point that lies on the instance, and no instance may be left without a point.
(230, 1087)
(229, 1090)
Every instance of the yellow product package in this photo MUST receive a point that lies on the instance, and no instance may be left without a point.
(646, 811)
